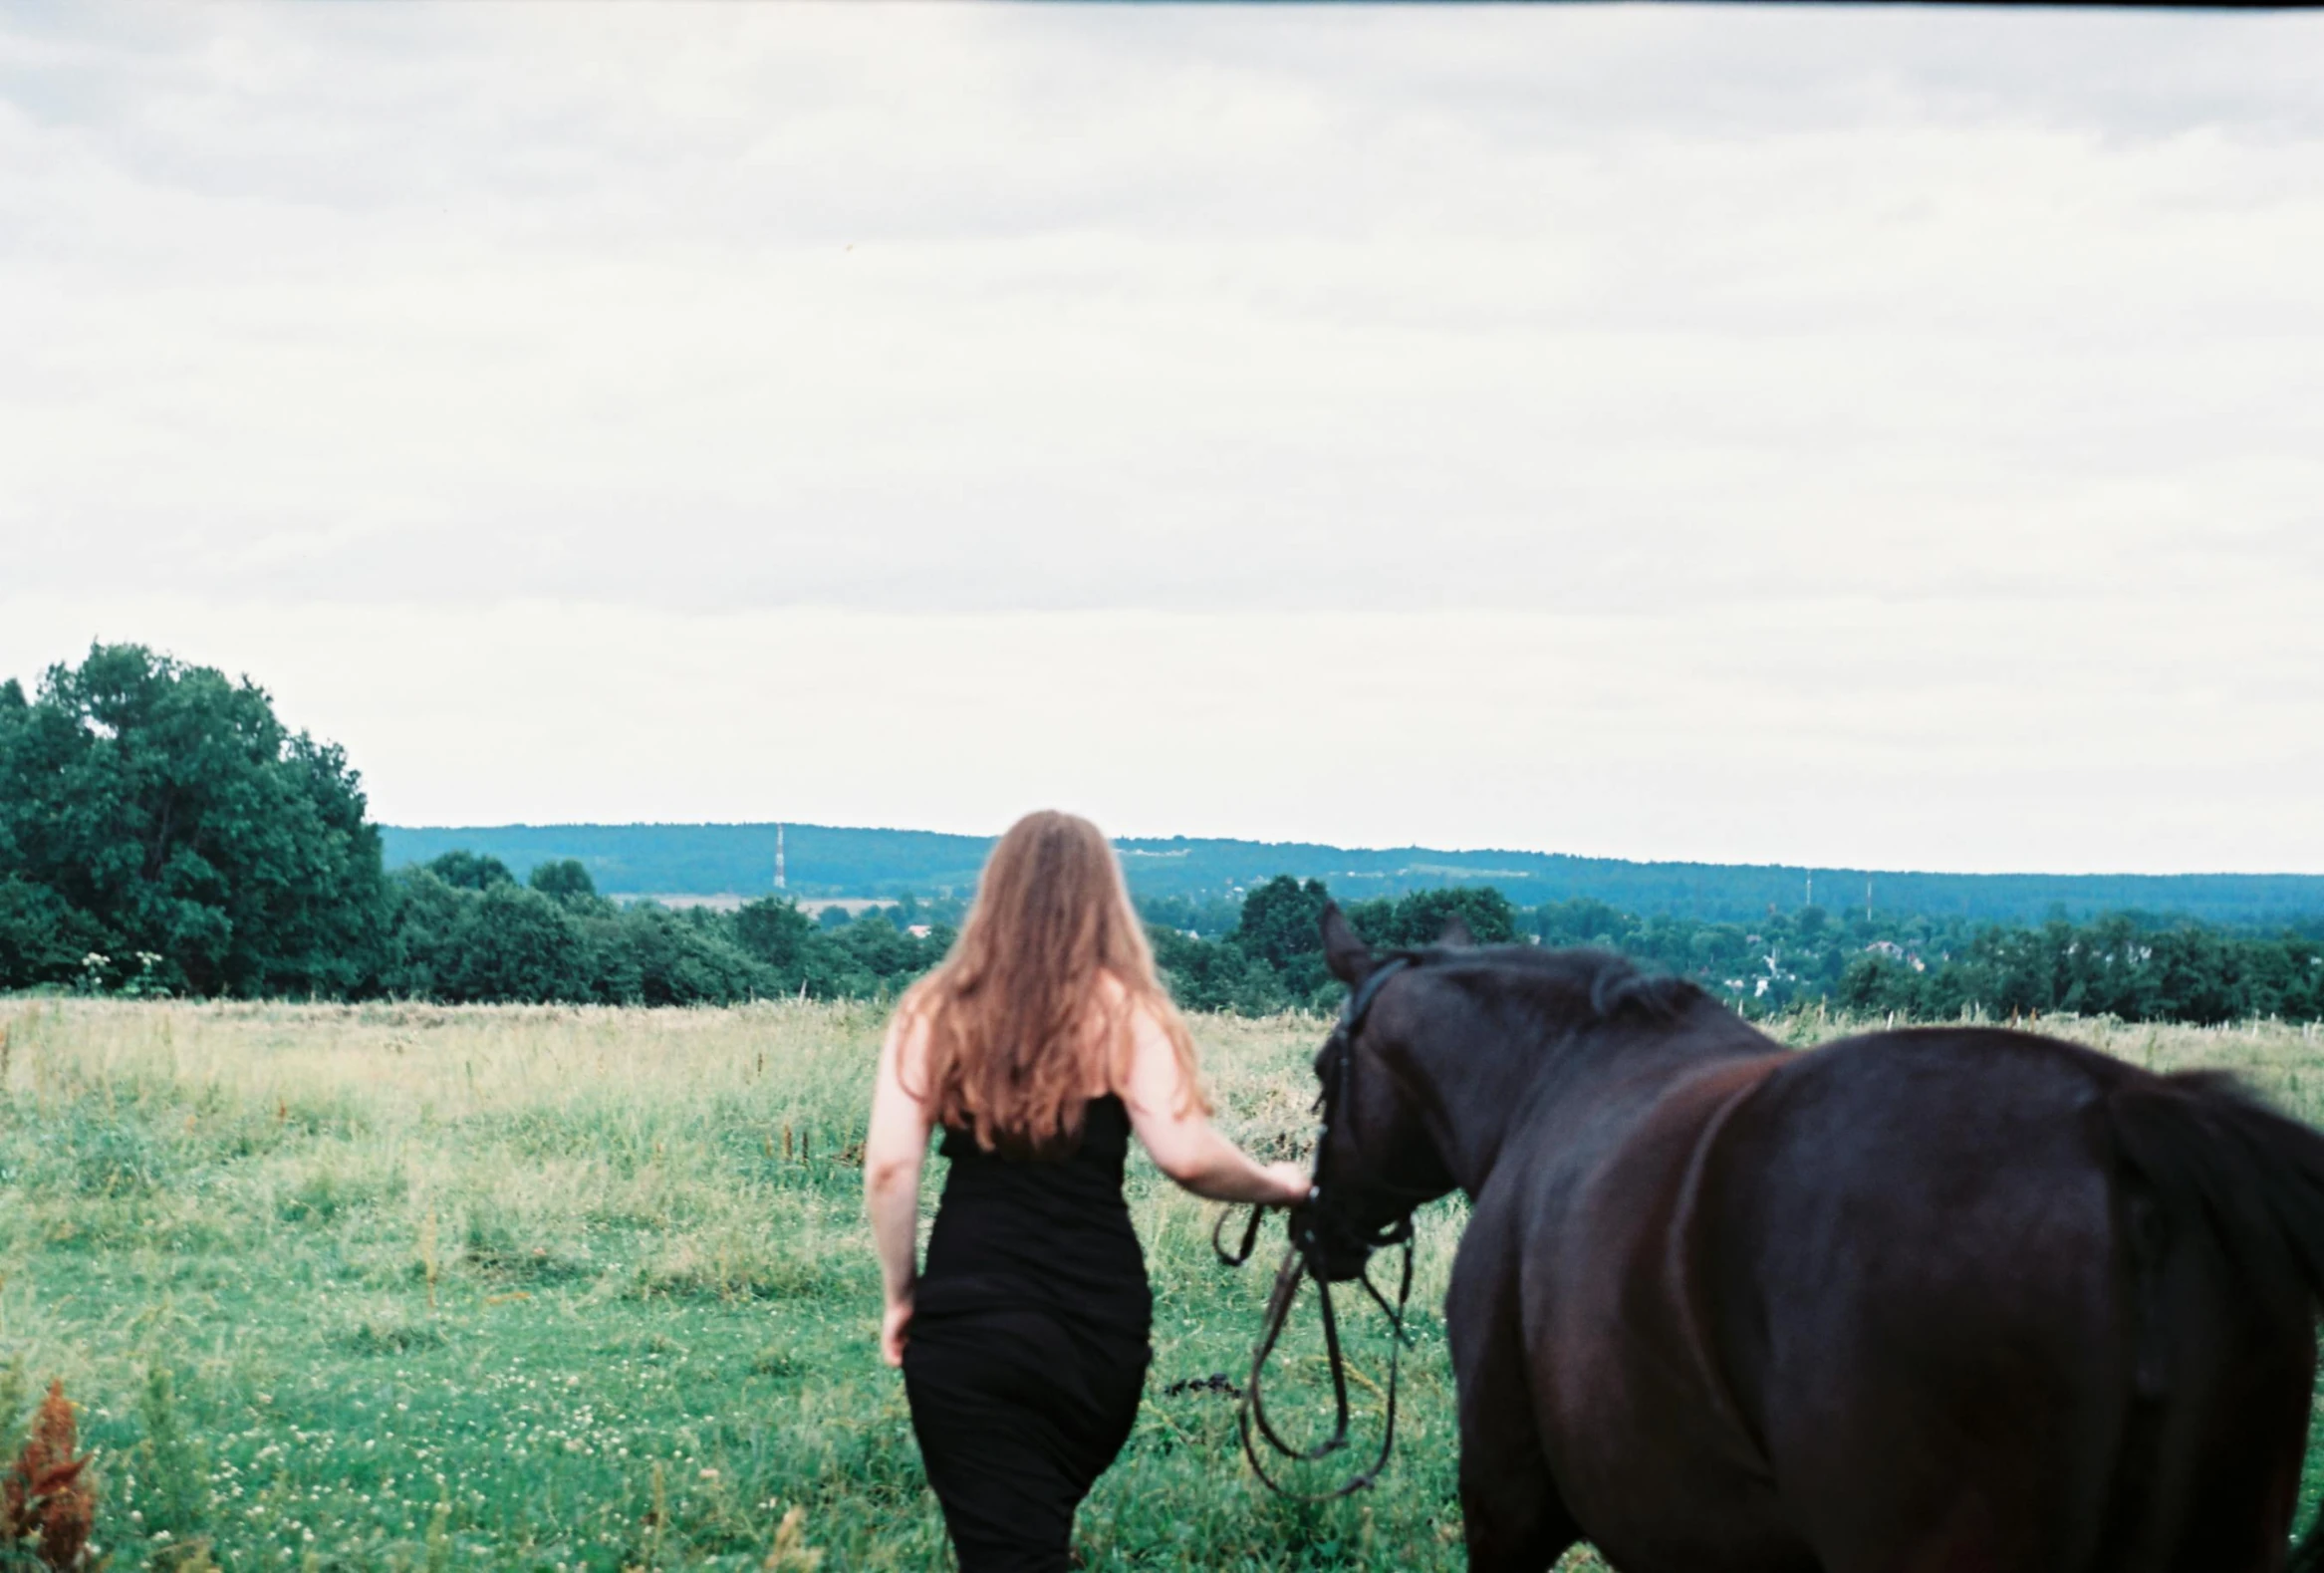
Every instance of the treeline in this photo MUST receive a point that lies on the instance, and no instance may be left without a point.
(466, 932)
(1916, 967)
(2116, 967)
(2137, 966)
(162, 833)
(827, 861)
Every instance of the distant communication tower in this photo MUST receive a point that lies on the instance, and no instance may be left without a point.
(780, 881)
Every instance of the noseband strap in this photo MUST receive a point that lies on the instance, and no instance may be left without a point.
(1340, 1049)
(1315, 1227)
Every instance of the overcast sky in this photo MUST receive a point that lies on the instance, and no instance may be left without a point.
(1803, 434)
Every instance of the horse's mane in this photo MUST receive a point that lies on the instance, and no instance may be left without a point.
(1611, 987)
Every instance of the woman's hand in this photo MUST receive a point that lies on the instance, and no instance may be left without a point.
(1292, 1182)
(895, 1330)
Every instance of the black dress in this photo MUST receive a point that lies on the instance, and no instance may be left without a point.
(1028, 1350)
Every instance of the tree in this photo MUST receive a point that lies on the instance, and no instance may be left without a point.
(1282, 926)
(1215, 974)
(1207, 919)
(1584, 920)
(1420, 919)
(164, 808)
(878, 948)
(513, 945)
(467, 871)
(776, 932)
(423, 934)
(651, 956)
(564, 878)
(1872, 985)
(42, 940)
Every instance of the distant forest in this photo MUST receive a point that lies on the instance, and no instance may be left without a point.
(1913, 967)
(824, 861)
(163, 834)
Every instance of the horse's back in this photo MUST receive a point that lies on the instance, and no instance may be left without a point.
(1913, 1246)
(1954, 1315)
(1877, 1296)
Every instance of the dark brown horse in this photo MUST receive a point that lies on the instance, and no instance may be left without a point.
(1955, 1298)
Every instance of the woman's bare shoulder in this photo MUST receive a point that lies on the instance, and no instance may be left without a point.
(1132, 1011)
(907, 1039)
(1129, 1021)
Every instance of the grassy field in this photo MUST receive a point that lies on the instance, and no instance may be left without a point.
(407, 1287)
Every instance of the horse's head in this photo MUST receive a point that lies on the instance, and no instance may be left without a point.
(1376, 1160)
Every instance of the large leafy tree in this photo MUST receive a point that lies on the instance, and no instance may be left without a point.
(776, 932)
(1421, 918)
(511, 943)
(1282, 925)
(149, 806)
(566, 878)
(467, 871)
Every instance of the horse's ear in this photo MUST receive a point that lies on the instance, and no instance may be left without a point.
(1456, 932)
(1349, 957)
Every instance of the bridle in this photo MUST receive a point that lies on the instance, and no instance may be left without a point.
(1320, 1234)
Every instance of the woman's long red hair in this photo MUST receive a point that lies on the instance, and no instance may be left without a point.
(1021, 1022)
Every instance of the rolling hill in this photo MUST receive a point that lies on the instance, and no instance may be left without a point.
(830, 860)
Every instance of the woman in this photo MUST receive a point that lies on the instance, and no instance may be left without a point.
(1039, 1046)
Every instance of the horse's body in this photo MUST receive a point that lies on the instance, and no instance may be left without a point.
(1957, 1298)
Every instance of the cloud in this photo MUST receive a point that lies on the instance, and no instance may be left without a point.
(1730, 354)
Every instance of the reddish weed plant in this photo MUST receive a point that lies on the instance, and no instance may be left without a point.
(47, 1501)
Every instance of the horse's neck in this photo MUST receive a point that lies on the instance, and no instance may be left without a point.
(1479, 1099)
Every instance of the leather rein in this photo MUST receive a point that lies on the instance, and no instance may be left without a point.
(1313, 1224)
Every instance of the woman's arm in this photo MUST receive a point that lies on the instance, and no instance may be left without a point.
(893, 1149)
(1185, 1144)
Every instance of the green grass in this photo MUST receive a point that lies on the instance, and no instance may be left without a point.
(553, 1289)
